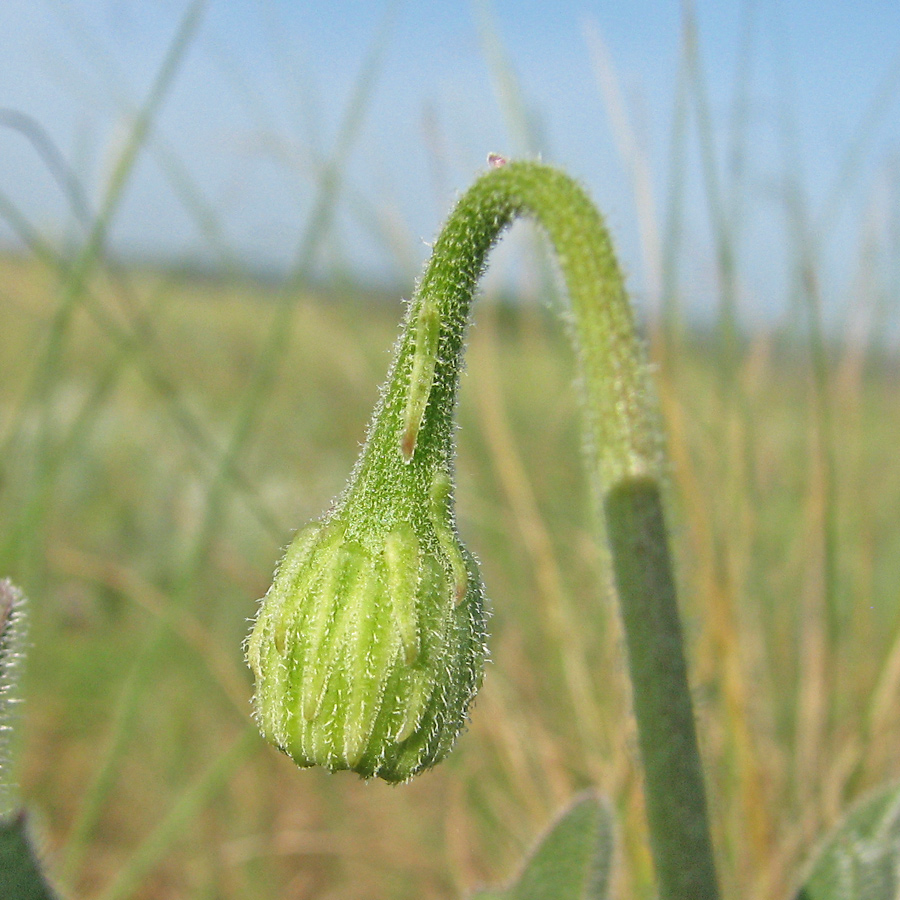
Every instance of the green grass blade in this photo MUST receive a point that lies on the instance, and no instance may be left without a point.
(635, 161)
(186, 808)
(808, 305)
(53, 160)
(520, 125)
(525, 135)
(727, 322)
(331, 178)
(671, 250)
(276, 342)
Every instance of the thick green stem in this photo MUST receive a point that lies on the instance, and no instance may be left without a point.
(676, 808)
(625, 455)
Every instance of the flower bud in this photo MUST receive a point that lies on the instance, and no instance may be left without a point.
(369, 646)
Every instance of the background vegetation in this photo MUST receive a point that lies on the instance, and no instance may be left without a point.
(162, 433)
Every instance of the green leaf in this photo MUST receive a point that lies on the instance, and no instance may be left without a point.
(860, 859)
(572, 861)
(20, 874)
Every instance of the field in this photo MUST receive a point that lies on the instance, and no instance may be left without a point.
(161, 441)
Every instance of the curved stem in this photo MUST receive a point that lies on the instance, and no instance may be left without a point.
(412, 434)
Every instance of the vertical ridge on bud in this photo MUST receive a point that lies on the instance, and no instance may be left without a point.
(341, 579)
(292, 566)
(375, 647)
(401, 556)
(440, 495)
(426, 341)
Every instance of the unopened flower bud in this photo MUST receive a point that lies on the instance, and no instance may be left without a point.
(370, 644)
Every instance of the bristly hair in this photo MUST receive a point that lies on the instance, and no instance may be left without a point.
(12, 652)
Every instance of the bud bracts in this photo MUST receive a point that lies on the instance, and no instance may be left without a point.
(369, 646)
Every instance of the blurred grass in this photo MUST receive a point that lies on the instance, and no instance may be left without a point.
(126, 508)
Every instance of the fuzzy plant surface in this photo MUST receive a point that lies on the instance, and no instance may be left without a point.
(12, 651)
(370, 645)
(860, 859)
(572, 860)
(21, 877)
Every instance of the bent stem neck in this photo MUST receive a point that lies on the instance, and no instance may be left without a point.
(412, 436)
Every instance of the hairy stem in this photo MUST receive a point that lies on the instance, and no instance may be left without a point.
(410, 431)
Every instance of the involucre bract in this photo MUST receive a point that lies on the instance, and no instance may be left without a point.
(369, 646)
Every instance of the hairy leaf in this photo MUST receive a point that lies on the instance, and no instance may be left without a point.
(860, 859)
(572, 861)
(20, 874)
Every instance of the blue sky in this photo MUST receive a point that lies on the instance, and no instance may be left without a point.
(258, 105)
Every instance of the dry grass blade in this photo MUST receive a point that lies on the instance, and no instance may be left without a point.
(556, 607)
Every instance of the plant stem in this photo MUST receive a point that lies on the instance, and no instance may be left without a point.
(676, 806)
(626, 462)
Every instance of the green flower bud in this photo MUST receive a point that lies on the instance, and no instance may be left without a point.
(370, 644)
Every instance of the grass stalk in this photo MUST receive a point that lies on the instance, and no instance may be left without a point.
(46, 371)
(193, 799)
(277, 341)
(818, 698)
